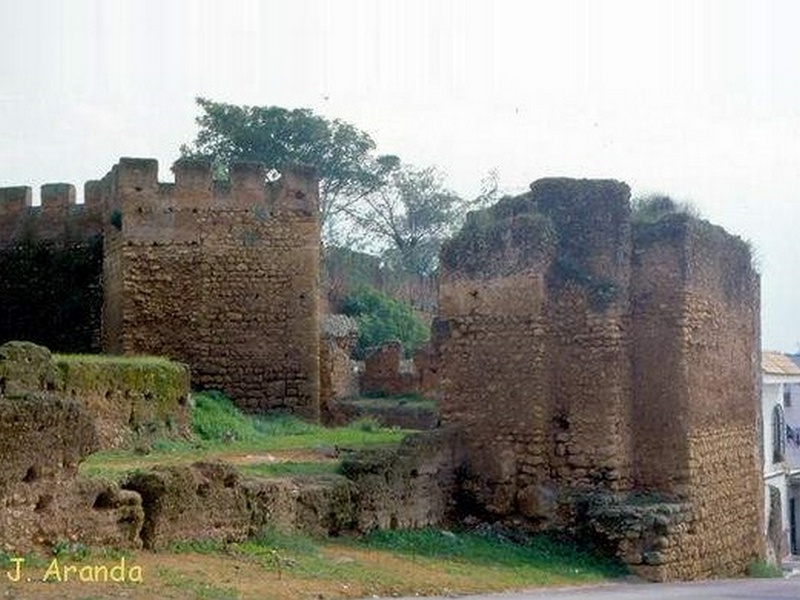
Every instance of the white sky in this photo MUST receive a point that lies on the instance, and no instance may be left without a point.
(696, 99)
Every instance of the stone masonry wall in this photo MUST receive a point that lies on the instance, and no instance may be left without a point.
(586, 353)
(44, 435)
(414, 485)
(222, 277)
(533, 303)
(133, 400)
(587, 341)
(50, 267)
(387, 373)
(707, 453)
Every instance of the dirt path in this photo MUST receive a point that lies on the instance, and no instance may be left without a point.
(278, 456)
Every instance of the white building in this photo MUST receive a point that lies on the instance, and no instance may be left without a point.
(780, 405)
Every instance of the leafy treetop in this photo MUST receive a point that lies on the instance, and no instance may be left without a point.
(342, 154)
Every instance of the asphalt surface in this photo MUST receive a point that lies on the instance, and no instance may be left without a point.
(735, 589)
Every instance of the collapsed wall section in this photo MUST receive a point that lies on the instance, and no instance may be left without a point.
(44, 435)
(221, 276)
(134, 401)
(533, 306)
(604, 371)
(50, 267)
(491, 334)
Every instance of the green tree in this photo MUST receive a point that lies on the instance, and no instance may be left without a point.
(409, 218)
(343, 155)
(382, 318)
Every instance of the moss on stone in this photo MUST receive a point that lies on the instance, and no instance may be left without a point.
(133, 397)
(26, 367)
(491, 236)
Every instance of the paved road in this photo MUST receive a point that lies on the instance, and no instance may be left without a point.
(745, 589)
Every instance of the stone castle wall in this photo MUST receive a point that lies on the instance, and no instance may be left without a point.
(51, 267)
(586, 353)
(221, 276)
(696, 320)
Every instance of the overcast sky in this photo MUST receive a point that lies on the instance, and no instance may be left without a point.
(699, 100)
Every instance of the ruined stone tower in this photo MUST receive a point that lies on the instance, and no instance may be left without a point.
(594, 357)
(223, 276)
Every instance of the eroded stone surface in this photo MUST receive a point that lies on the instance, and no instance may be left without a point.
(581, 351)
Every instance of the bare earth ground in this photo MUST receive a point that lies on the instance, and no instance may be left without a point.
(277, 456)
(178, 576)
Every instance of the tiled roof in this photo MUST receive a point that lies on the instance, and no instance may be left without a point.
(777, 363)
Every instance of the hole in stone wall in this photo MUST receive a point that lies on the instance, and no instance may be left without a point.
(116, 219)
(32, 474)
(561, 421)
(137, 188)
(104, 500)
(43, 502)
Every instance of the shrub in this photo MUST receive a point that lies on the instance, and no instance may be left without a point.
(382, 318)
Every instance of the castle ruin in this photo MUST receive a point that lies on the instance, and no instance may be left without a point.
(598, 369)
(605, 369)
(220, 275)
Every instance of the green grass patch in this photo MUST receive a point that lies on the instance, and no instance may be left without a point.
(200, 546)
(220, 429)
(113, 359)
(215, 418)
(284, 469)
(542, 554)
(427, 561)
(415, 401)
(477, 561)
(761, 569)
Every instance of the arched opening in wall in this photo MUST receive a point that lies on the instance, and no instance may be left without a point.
(778, 434)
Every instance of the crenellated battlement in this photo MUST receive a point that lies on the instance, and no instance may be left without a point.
(58, 219)
(133, 192)
(134, 183)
